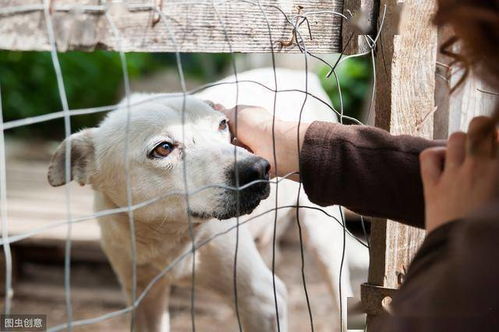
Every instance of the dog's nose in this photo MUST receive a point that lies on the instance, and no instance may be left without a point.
(253, 169)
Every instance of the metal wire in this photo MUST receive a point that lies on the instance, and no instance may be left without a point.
(340, 283)
(176, 262)
(131, 220)
(236, 169)
(67, 161)
(184, 167)
(66, 113)
(274, 152)
(3, 213)
(103, 213)
(167, 268)
(343, 251)
(297, 216)
(91, 110)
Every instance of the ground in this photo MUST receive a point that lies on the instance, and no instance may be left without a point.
(95, 291)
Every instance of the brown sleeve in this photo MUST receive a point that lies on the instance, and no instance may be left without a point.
(453, 281)
(364, 169)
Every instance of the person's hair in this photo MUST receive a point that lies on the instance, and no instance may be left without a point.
(475, 24)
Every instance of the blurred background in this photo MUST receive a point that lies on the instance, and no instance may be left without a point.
(29, 88)
(29, 84)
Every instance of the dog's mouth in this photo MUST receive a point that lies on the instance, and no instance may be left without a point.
(251, 176)
(249, 198)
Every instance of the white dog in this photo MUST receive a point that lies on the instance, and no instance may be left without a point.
(169, 153)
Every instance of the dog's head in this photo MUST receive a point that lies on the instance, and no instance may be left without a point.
(173, 145)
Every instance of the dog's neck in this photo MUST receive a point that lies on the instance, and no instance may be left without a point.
(148, 233)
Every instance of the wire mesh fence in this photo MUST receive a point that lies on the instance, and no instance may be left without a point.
(131, 206)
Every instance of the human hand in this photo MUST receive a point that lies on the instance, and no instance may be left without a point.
(254, 132)
(462, 177)
(253, 125)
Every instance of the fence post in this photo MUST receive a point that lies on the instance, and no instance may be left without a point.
(405, 104)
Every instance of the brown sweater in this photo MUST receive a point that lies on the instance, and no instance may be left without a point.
(453, 281)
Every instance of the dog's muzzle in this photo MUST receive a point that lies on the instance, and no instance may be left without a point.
(251, 176)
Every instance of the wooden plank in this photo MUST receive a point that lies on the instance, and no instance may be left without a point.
(404, 105)
(33, 204)
(473, 98)
(413, 106)
(195, 25)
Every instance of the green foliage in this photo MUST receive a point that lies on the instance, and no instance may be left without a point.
(29, 87)
(355, 76)
(205, 67)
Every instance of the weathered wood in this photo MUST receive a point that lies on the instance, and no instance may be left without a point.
(361, 21)
(33, 204)
(442, 88)
(404, 105)
(195, 25)
(473, 98)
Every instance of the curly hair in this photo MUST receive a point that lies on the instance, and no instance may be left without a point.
(475, 24)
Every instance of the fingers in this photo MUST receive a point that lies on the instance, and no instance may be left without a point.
(482, 138)
(432, 162)
(219, 107)
(237, 142)
(229, 112)
(456, 151)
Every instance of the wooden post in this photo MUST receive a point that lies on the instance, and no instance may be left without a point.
(405, 85)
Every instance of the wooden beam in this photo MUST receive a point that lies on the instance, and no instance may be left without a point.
(405, 81)
(201, 26)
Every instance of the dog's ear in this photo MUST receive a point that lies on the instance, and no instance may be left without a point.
(82, 159)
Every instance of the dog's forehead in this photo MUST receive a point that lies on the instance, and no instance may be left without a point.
(162, 109)
(150, 115)
(174, 107)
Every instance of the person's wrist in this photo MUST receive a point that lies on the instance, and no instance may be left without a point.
(287, 148)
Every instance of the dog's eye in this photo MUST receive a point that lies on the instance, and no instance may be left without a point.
(162, 150)
(223, 124)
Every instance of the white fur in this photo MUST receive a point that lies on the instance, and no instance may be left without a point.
(162, 228)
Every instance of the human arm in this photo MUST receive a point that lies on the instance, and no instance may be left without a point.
(362, 168)
(365, 169)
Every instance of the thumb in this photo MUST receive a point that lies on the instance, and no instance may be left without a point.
(432, 164)
(219, 107)
(482, 137)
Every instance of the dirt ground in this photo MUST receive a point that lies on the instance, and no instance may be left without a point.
(95, 291)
